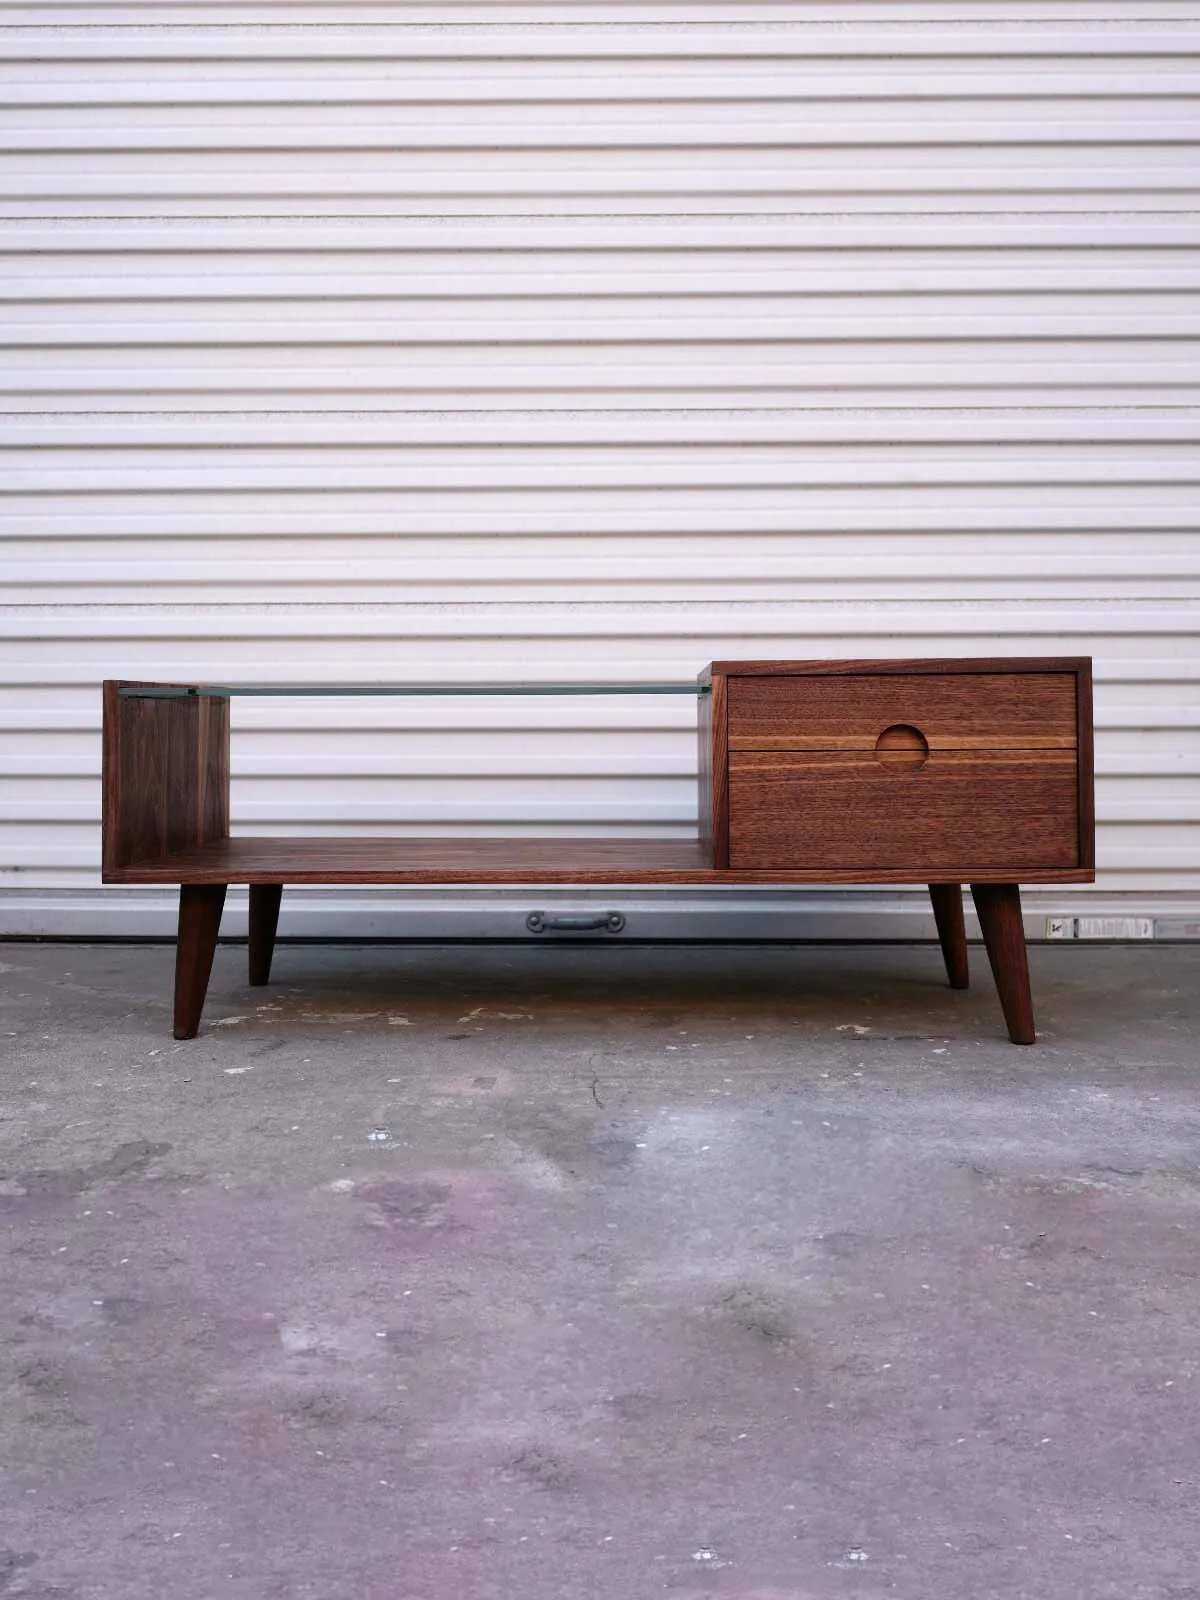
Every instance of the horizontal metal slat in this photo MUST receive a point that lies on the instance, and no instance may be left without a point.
(696, 375)
(1146, 228)
(327, 13)
(95, 85)
(1006, 513)
(574, 474)
(632, 124)
(401, 280)
(469, 438)
(1096, 317)
(260, 559)
(677, 590)
(873, 39)
(1157, 633)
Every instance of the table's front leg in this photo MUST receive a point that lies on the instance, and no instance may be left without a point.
(200, 906)
(999, 908)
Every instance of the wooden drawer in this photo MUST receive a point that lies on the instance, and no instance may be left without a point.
(890, 772)
(845, 811)
(960, 711)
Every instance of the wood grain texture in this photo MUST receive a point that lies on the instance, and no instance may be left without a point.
(915, 666)
(714, 771)
(904, 746)
(1087, 768)
(264, 921)
(947, 901)
(999, 909)
(509, 861)
(200, 908)
(814, 811)
(706, 770)
(999, 710)
(843, 772)
(165, 777)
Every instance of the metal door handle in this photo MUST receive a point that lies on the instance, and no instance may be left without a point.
(604, 922)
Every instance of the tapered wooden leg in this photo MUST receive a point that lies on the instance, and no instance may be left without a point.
(999, 908)
(952, 931)
(264, 919)
(199, 922)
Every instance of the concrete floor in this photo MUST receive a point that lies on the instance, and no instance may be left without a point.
(536, 1273)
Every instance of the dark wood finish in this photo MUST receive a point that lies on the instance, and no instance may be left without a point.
(972, 771)
(264, 920)
(705, 765)
(1087, 769)
(514, 861)
(904, 746)
(165, 777)
(199, 923)
(714, 771)
(981, 711)
(817, 811)
(952, 931)
(916, 666)
(999, 909)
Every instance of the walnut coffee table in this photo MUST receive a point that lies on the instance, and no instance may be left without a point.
(946, 773)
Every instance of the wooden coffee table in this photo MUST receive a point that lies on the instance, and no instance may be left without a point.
(945, 773)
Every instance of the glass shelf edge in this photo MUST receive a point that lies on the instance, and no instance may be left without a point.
(228, 691)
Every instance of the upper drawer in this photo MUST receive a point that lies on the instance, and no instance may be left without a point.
(953, 711)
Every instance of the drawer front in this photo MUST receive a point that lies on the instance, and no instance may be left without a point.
(846, 811)
(956, 711)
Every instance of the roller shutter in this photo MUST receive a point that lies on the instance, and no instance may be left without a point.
(588, 340)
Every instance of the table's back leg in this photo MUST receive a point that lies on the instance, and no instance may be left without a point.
(200, 907)
(264, 919)
(952, 931)
(999, 908)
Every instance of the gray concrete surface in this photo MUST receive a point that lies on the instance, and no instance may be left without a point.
(510, 1274)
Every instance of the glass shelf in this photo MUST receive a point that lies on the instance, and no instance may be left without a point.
(228, 691)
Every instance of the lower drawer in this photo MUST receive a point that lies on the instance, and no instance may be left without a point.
(1008, 810)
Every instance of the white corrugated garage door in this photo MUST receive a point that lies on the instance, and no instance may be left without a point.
(579, 340)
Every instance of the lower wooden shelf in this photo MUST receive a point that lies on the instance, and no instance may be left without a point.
(205, 871)
(512, 861)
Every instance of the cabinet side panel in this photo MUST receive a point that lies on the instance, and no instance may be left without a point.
(1087, 767)
(213, 807)
(704, 765)
(165, 776)
(714, 771)
(133, 780)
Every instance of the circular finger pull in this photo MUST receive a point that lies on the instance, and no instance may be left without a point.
(902, 746)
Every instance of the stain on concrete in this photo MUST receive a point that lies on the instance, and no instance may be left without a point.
(541, 1467)
(318, 1409)
(394, 1203)
(13, 1562)
(756, 1312)
(45, 1377)
(129, 1159)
